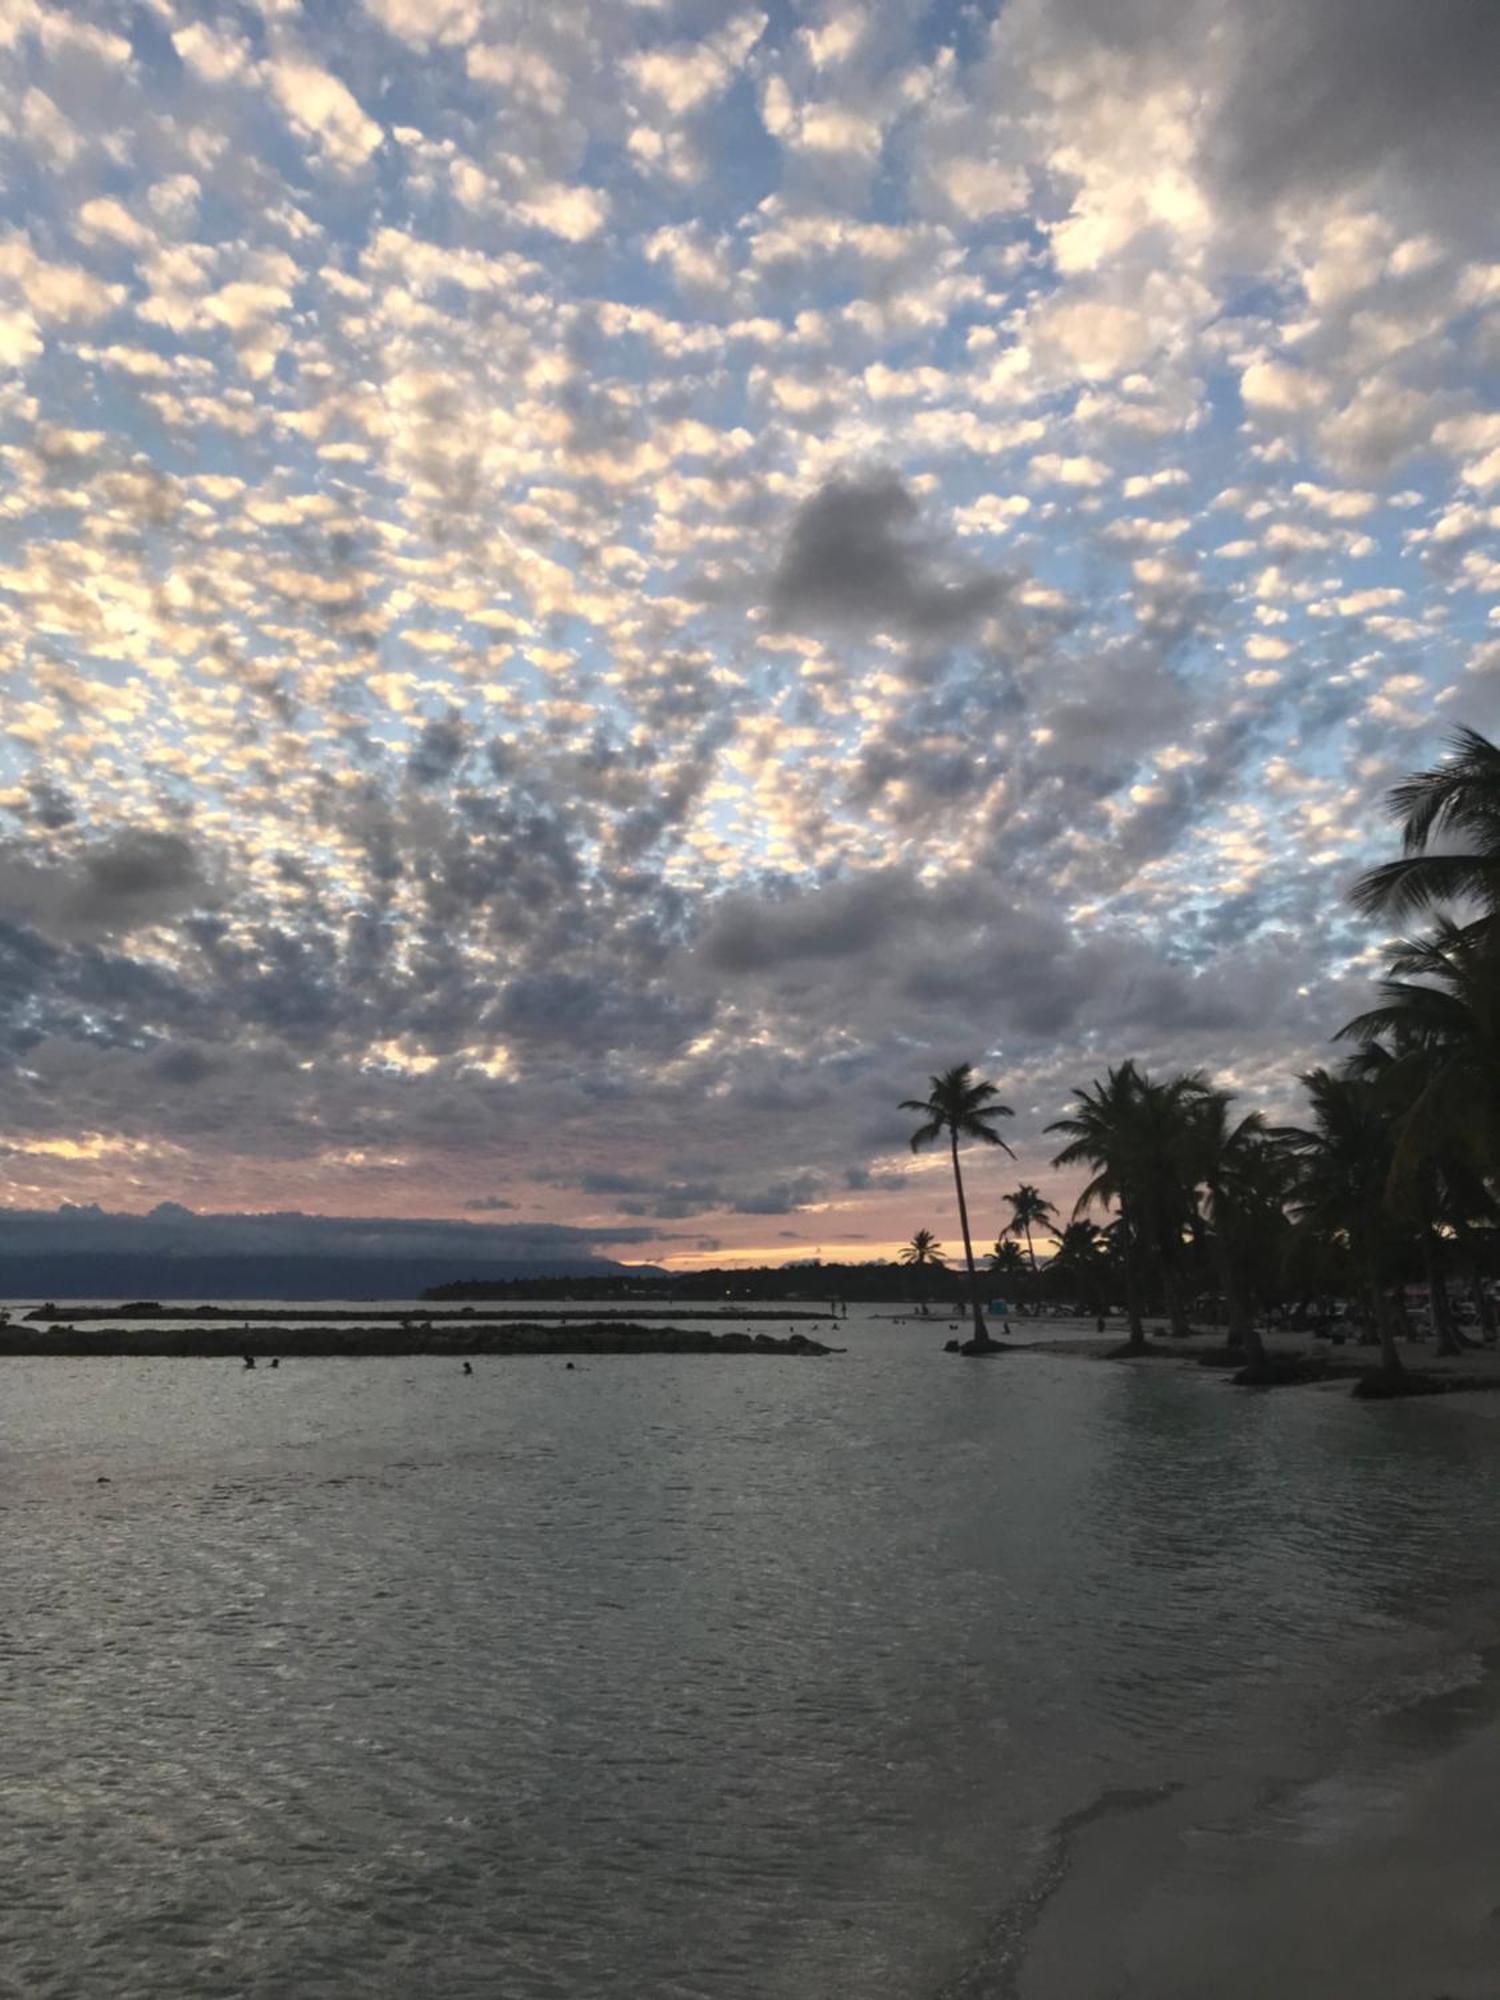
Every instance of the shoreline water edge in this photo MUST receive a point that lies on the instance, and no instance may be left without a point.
(1374, 1872)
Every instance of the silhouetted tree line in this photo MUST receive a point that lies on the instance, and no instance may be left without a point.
(1392, 1178)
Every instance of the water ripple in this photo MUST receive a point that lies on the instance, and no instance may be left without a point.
(676, 1679)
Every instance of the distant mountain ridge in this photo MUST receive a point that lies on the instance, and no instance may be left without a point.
(104, 1275)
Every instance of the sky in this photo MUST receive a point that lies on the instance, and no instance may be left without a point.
(589, 593)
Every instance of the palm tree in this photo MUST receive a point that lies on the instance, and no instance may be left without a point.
(1008, 1260)
(1344, 1163)
(1028, 1205)
(1439, 1010)
(962, 1106)
(1099, 1136)
(1082, 1260)
(1433, 1045)
(1137, 1134)
(1459, 797)
(1245, 1178)
(924, 1253)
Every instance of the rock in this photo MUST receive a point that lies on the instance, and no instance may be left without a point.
(1281, 1371)
(1380, 1387)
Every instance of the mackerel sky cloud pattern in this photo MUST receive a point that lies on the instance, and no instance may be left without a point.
(589, 592)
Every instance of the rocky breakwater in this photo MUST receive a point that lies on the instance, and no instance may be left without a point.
(218, 1340)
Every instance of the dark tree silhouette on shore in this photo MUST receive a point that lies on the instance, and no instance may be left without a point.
(923, 1254)
(1028, 1206)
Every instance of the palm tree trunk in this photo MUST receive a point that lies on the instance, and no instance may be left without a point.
(1136, 1339)
(981, 1331)
(1384, 1315)
(1444, 1336)
(1240, 1332)
(1030, 1251)
(1171, 1284)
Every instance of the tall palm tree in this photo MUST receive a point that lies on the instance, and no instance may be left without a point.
(1245, 1179)
(1137, 1134)
(1028, 1205)
(1099, 1136)
(1459, 797)
(924, 1253)
(1433, 1045)
(961, 1105)
(1344, 1163)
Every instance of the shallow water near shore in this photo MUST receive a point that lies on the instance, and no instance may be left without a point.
(685, 1676)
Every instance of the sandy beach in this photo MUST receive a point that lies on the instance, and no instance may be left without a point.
(1375, 1879)
(1378, 1881)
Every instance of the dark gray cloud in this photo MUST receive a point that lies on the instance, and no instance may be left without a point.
(593, 1012)
(49, 803)
(105, 887)
(440, 748)
(1330, 91)
(782, 1197)
(859, 554)
(749, 932)
(1326, 95)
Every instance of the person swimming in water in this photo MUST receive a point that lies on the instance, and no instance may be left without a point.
(468, 1368)
(249, 1360)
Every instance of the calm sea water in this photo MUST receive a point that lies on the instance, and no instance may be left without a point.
(670, 1676)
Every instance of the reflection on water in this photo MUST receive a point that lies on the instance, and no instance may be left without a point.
(668, 1676)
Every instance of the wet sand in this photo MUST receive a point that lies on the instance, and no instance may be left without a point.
(1378, 1882)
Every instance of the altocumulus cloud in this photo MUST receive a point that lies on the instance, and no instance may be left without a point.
(584, 598)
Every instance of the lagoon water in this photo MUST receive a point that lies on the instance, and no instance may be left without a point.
(670, 1676)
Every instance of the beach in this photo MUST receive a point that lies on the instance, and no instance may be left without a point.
(1379, 1879)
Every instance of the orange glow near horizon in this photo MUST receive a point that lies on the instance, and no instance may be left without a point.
(755, 1256)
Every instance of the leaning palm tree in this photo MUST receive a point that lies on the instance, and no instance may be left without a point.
(924, 1253)
(963, 1106)
(1029, 1205)
(1459, 798)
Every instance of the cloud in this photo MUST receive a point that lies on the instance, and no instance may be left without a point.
(573, 213)
(858, 553)
(513, 689)
(321, 109)
(1348, 89)
(135, 877)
